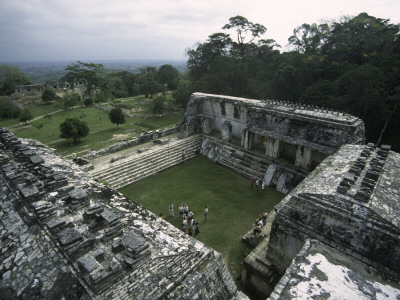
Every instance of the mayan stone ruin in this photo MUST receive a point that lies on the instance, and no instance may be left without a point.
(335, 235)
(65, 235)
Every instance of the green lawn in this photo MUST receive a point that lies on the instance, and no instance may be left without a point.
(102, 132)
(233, 206)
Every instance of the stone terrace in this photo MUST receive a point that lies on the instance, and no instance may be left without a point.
(65, 235)
(150, 160)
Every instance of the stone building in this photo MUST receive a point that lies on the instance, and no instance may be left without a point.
(31, 89)
(301, 135)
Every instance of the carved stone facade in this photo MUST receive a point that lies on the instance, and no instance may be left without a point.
(301, 135)
(349, 203)
(292, 139)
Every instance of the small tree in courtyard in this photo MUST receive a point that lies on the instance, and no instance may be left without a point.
(25, 116)
(116, 116)
(48, 95)
(158, 105)
(73, 128)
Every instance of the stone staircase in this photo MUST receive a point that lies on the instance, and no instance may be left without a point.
(140, 166)
(248, 163)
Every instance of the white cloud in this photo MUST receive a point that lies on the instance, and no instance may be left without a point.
(146, 28)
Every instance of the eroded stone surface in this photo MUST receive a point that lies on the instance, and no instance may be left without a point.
(66, 235)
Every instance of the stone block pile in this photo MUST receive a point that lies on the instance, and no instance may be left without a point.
(65, 235)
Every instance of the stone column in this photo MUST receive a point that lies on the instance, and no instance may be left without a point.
(226, 132)
(272, 148)
(303, 157)
(247, 139)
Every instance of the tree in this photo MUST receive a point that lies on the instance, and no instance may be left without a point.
(25, 116)
(88, 102)
(48, 95)
(308, 38)
(116, 116)
(246, 32)
(95, 75)
(182, 93)
(70, 100)
(168, 75)
(158, 105)
(8, 108)
(73, 128)
(10, 77)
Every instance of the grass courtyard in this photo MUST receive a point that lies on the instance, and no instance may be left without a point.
(102, 132)
(233, 206)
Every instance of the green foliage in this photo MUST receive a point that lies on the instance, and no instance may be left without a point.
(158, 105)
(8, 108)
(10, 77)
(48, 95)
(349, 65)
(88, 102)
(70, 100)
(93, 74)
(25, 116)
(116, 116)
(73, 128)
(183, 92)
(169, 76)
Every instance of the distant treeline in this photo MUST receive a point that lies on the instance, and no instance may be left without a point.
(351, 65)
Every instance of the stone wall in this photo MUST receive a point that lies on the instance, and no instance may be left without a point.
(350, 203)
(66, 235)
(301, 135)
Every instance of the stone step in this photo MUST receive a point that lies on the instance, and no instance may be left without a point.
(146, 172)
(138, 164)
(148, 155)
(149, 163)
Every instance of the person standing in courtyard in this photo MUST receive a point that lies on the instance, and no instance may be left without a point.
(263, 186)
(252, 179)
(196, 230)
(171, 209)
(185, 209)
(93, 153)
(183, 155)
(205, 214)
(180, 208)
(257, 184)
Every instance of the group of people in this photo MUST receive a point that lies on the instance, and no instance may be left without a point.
(260, 222)
(256, 182)
(189, 225)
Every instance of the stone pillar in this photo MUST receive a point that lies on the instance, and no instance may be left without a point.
(272, 148)
(303, 157)
(247, 139)
(206, 126)
(226, 132)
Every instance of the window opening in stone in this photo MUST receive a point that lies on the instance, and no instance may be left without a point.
(222, 105)
(236, 112)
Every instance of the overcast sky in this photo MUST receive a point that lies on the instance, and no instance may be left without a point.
(57, 30)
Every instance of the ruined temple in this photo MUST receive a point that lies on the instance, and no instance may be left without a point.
(335, 235)
(64, 235)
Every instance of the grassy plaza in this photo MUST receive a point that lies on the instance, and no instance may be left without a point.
(199, 182)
